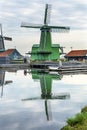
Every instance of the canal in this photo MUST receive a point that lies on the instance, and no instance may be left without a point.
(32, 100)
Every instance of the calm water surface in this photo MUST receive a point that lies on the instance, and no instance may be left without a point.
(38, 101)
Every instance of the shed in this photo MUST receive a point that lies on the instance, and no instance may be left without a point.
(10, 55)
(78, 55)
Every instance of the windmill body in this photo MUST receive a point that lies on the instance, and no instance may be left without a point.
(45, 50)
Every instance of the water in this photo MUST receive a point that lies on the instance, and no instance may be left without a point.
(40, 101)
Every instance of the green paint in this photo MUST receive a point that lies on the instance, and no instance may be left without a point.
(45, 83)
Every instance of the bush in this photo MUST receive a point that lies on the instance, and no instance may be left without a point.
(79, 122)
(78, 119)
(67, 128)
(84, 109)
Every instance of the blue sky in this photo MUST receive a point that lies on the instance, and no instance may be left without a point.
(71, 13)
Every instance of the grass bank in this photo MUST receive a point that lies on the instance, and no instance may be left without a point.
(78, 122)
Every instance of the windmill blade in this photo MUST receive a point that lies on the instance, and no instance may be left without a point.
(29, 25)
(7, 38)
(61, 96)
(59, 29)
(61, 48)
(57, 96)
(8, 82)
(33, 98)
(47, 14)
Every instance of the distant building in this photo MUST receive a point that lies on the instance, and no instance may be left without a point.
(78, 55)
(9, 56)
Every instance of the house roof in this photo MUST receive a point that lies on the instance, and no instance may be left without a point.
(77, 53)
(6, 53)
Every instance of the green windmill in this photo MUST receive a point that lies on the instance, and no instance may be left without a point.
(45, 50)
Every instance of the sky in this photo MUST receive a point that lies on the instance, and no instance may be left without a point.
(72, 13)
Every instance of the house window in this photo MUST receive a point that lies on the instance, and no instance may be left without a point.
(15, 56)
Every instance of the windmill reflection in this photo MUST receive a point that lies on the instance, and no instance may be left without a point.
(3, 81)
(46, 79)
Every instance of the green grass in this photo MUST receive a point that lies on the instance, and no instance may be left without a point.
(78, 119)
(79, 122)
(84, 109)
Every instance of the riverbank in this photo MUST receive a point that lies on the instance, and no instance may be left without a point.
(66, 67)
(78, 122)
(16, 66)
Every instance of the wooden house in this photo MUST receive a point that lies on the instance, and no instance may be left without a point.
(10, 55)
(78, 55)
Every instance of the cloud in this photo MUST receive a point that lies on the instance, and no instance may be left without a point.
(63, 13)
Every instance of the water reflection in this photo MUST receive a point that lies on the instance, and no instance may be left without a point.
(3, 82)
(30, 102)
(46, 79)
